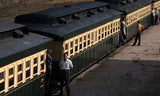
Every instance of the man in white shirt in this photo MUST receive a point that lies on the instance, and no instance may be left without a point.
(65, 65)
(153, 16)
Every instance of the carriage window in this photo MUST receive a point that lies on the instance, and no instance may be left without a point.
(35, 60)
(71, 44)
(80, 47)
(28, 63)
(19, 67)
(105, 27)
(19, 77)
(66, 46)
(76, 41)
(96, 36)
(11, 71)
(88, 35)
(42, 57)
(84, 44)
(76, 48)
(42, 66)
(99, 31)
(102, 29)
(80, 39)
(1, 86)
(11, 81)
(27, 73)
(88, 42)
(92, 35)
(1, 75)
(35, 70)
(71, 51)
(84, 37)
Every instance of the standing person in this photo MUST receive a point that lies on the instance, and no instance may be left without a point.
(123, 32)
(65, 66)
(153, 17)
(138, 35)
(156, 16)
(48, 70)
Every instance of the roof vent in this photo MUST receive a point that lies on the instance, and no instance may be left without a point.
(90, 13)
(75, 16)
(123, 2)
(62, 21)
(100, 10)
(18, 34)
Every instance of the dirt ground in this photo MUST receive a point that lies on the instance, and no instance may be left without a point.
(129, 71)
(9, 12)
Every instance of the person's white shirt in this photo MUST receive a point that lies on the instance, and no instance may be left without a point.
(156, 12)
(65, 65)
(153, 12)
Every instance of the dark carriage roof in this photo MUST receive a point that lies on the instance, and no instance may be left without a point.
(51, 16)
(11, 46)
(6, 26)
(129, 6)
(72, 28)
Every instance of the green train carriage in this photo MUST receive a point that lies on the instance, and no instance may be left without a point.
(22, 61)
(133, 11)
(85, 32)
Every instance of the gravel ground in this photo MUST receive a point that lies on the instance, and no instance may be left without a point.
(129, 71)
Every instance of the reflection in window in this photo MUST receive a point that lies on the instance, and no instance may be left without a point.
(20, 67)
(11, 71)
(71, 44)
(27, 64)
(80, 39)
(19, 77)
(35, 60)
(76, 41)
(96, 36)
(66, 46)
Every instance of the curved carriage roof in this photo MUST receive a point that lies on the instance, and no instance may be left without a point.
(12, 49)
(74, 27)
(129, 6)
(6, 26)
(51, 16)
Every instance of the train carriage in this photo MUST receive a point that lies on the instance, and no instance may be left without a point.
(133, 10)
(22, 61)
(86, 31)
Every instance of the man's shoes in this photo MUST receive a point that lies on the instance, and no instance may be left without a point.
(133, 45)
(138, 44)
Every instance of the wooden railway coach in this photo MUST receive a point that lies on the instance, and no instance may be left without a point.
(86, 31)
(22, 61)
(133, 10)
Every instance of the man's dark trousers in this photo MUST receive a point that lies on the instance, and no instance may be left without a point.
(65, 80)
(138, 36)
